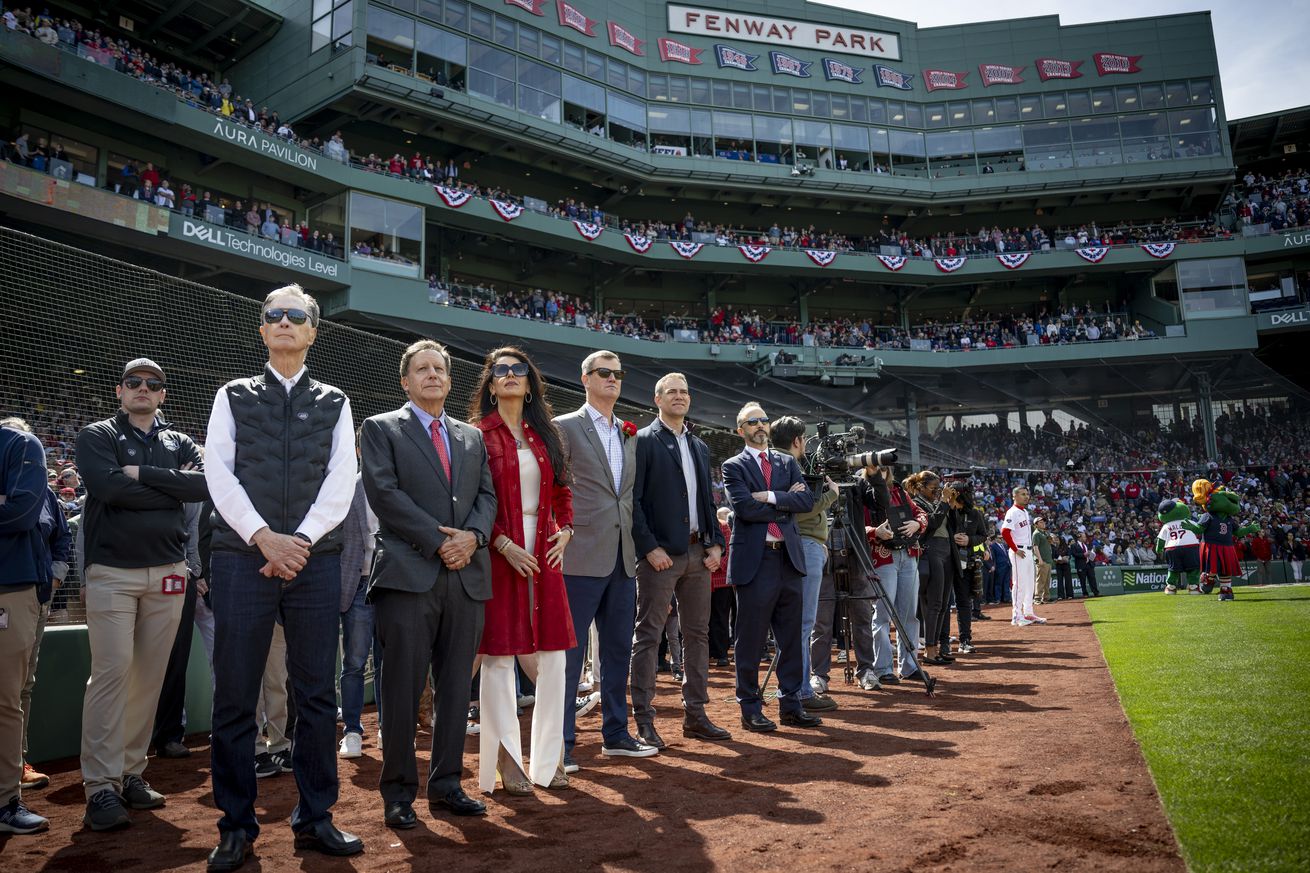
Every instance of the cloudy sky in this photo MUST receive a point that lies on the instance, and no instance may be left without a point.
(1263, 58)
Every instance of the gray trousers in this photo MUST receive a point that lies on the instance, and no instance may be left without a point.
(860, 608)
(690, 581)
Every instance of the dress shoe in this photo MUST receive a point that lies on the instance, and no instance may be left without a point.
(230, 853)
(800, 719)
(701, 728)
(399, 815)
(757, 723)
(916, 676)
(173, 749)
(889, 679)
(722, 662)
(818, 703)
(459, 803)
(326, 838)
(648, 735)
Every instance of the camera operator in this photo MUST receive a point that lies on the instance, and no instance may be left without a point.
(939, 563)
(967, 532)
(789, 436)
(898, 521)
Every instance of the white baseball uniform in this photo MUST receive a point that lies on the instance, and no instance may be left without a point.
(1023, 575)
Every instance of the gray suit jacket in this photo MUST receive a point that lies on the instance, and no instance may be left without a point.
(354, 539)
(411, 497)
(602, 519)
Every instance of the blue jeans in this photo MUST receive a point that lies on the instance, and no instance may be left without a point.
(816, 555)
(245, 607)
(900, 581)
(610, 601)
(356, 641)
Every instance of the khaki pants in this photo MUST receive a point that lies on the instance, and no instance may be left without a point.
(1043, 582)
(130, 625)
(17, 639)
(41, 620)
(272, 710)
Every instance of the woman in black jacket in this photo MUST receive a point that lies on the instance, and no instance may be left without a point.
(938, 562)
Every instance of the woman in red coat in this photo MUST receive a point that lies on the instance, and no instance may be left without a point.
(528, 615)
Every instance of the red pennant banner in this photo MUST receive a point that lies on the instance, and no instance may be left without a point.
(672, 50)
(570, 16)
(999, 74)
(944, 80)
(1054, 68)
(624, 38)
(533, 6)
(1108, 63)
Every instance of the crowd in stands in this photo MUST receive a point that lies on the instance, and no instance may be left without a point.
(1280, 202)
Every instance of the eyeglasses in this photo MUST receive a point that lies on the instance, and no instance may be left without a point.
(754, 422)
(152, 383)
(606, 372)
(500, 371)
(295, 316)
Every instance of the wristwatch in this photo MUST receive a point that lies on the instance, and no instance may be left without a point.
(302, 536)
(480, 537)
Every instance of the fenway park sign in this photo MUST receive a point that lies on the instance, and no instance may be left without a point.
(783, 32)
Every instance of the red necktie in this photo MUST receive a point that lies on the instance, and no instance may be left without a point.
(767, 469)
(440, 445)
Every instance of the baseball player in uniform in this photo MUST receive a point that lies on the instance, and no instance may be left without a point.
(1017, 531)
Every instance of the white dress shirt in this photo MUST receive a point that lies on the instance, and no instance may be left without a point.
(329, 508)
(688, 473)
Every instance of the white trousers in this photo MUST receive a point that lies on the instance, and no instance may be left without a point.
(1023, 583)
(499, 721)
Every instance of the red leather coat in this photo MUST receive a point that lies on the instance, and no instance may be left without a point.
(520, 621)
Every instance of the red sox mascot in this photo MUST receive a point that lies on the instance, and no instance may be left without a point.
(1217, 528)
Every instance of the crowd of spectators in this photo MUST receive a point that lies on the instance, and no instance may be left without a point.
(1281, 202)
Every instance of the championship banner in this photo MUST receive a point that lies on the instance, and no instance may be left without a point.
(786, 65)
(1014, 261)
(754, 254)
(688, 250)
(1054, 68)
(623, 38)
(573, 17)
(675, 151)
(886, 77)
(588, 230)
(944, 80)
(727, 56)
(999, 74)
(892, 262)
(453, 197)
(949, 265)
(1109, 64)
(533, 6)
(640, 244)
(836, 71)
(1093, 255)
(672, 50)
(506, 210)
(1159, 250)
(821, 258)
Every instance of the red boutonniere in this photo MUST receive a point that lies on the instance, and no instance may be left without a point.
(628, 428)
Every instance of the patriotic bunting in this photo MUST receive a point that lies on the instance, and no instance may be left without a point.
(949, 265)
(640, 244)
(688, 250)
(754, 254)
(1159, 250)
(1015, 260)
(1093, 255)
(892, 262)
(453, 197)
(588, 230)
(821, 258)
(506, 210)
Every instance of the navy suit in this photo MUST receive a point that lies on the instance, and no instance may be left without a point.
(767, 580)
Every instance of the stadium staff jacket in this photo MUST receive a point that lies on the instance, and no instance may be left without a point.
(23, 559)
(137, 523)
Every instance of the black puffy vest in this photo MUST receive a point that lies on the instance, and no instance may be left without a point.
(283, 445)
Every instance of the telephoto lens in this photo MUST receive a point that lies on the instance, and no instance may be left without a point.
(880, 458)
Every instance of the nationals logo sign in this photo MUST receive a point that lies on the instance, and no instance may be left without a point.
(727, 56)
(949, 265)
(688, 250)
(1015, 260)
(943, 80)
(453, 197)
(533, 6)
(836, 71)
(1109, 64)
(821, 258)
(999, 74)
(640, 244)
(1054, 68)
(1159, 250)
(572, 17)
(672, 50)
(892, 262)
(588, 230)
(786, 65)
(624, 39)
(506, 210)
(1093, 255)
(754, 254)
(886, 77)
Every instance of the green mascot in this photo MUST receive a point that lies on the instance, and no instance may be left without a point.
(1179, 547)
(1217, 529)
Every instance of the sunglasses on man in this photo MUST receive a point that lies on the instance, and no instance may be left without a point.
(295, 316)
(755, 422)
(606, 372)
(500, 371)
(151, 382)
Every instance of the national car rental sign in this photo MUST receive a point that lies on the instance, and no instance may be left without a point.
(785, 32)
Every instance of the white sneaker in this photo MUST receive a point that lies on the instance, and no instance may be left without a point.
(351, 746)
(819, 685)
(584, 705)
(472, 729)
(379, 739)
(1022, 622)
(526, 700)
(585, 685)
(1035, 619)
(870, 682)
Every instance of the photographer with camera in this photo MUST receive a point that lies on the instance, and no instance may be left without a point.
(968, 531)
(898, 522)
(939, 563)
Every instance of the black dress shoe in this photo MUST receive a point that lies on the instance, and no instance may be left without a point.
(173, 749)
(757, 723)
(648, 735)
(800, 719)
(938, 660)
(916, 676)
(459, 803)
(889, 679)
(701, 728)
(326, 838)
(399, 815)
(230, 853)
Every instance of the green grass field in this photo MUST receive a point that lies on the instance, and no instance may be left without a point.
(1218, 695)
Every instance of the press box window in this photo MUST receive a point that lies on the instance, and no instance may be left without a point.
(332, 24)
